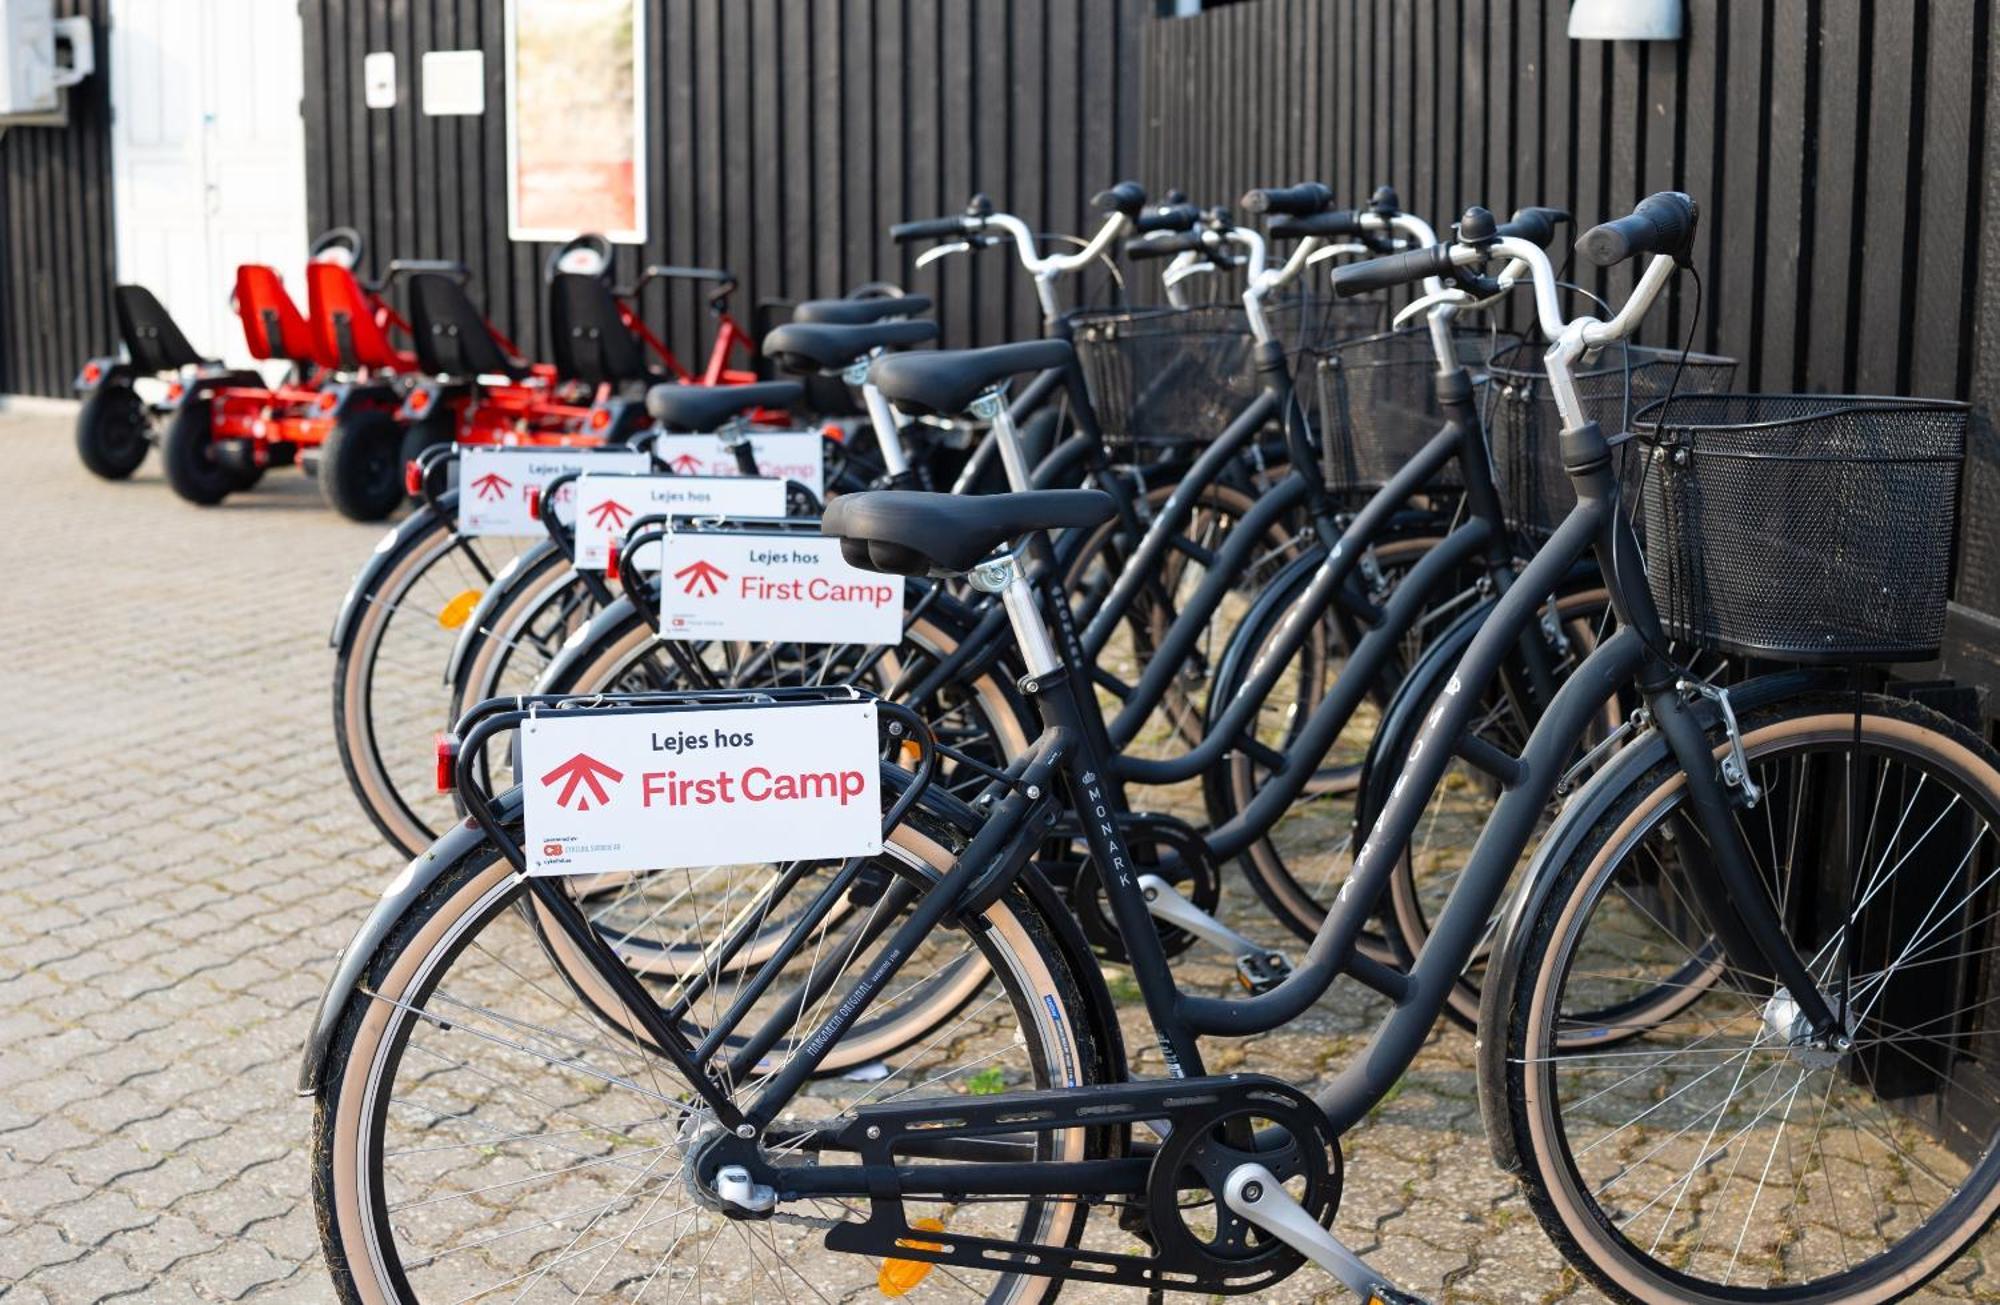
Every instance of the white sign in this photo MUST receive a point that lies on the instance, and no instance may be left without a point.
(793, 588)
(608, 505)
(378, 79)
(454, 82)
(789, 455)
(699, 788)
(499, 486)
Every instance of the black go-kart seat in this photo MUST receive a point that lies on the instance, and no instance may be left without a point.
(907, 532)
(151, 337)
(592, 344)
(810, 347)
(944, 383)
(859, 312)
(702, 408)
(451, 338)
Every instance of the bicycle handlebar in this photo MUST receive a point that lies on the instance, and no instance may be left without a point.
(1158, 246)
(1393, 270)
(1168, 217)
(1127, 197)
(1535, 223)
(1302, 200)
(1331, 222)
(932, 228)
(1663, 223)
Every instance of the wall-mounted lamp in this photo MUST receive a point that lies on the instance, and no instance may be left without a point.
(1626, 20)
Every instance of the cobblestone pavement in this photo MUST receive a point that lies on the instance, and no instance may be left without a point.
(182, 859)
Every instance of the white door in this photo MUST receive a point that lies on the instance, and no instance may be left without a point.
(208, 154)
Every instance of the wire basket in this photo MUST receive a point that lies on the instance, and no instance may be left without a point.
(1803, 527)
(1525, 427)
(1378, 402)
(1164, 376)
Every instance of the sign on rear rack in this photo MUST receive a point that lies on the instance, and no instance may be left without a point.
(720, 786)
(785, 454)
(794, 588)
(497, 486)
(609, 504)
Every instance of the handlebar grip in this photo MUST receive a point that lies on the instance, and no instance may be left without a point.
(1662, 224)
(1333, 222)
(1163, 246)
(1173, 217)
(1536, 223)
(1394, 270)
(927, 229)
(1302, 200)
(1127, 197)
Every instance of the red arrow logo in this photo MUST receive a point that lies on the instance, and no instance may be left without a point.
(492, 485)
(686, 464)
(582, 771)
(704, 576)
(611, 514)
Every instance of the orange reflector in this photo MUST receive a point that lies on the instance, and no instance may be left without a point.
(900, 1277)
(325, 402)
(913, 752)
(419, 400)
(834, 433)
(175, 390)
(454, 613)
(91, 371)
(447, 760)
(600, 418)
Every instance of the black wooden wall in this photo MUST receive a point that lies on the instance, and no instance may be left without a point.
(1838, 148)
(786, 136)
(56, 238)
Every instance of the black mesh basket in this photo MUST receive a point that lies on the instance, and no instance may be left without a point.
(1181, 375)
(1802, 527)
(1166, 375)
(1377, 401)
(1525, 427)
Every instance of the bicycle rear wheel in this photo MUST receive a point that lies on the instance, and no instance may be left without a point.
(480, 1132)
(1715, 1156)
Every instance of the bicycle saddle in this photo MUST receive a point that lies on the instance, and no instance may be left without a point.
(906, 532)
(857, 312)
(822, 347)
(945, 382)
(705, 407)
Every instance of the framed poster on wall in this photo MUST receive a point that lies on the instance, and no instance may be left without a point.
(576, 119)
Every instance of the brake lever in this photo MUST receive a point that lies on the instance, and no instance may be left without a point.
(948, 248)
(1420, 306)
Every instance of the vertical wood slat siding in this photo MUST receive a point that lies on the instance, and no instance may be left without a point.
(785, 135)
(56, 236)
(1803, 127)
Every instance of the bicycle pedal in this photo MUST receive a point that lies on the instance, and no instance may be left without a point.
(1259, 972)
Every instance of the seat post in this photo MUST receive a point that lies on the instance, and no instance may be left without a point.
(1006, 576)
(991, 407)
(882, 416)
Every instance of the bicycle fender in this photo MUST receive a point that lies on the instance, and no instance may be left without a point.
(497, 594)
(1280, 593)
(461, 841)
(387, 550)
(1579, 815)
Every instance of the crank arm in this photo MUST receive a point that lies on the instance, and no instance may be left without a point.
(1255, 1193)
(1259, 968)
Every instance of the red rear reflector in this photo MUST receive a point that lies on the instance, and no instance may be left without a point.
(600, 418)
(91, 373)
(176, 390)
(611, 561)
(834, 433)
(419, 400)
(413, 478)
(325, 402)
(447, 760)
(534, 500)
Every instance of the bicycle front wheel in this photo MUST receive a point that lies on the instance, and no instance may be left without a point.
(1716, 1156)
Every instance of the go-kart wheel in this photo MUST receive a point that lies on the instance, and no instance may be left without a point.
(360, 471)
(111, 430)
(425, 434)
(188, 455)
